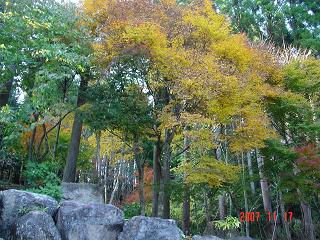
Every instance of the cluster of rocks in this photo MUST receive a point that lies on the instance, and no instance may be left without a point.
(31, 216)
(25, 215)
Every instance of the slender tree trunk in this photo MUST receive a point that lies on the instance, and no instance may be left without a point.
(56, 143)
(105, 177)
(221, 197)
(284, 221)
(222, 206)
(156, 178)
(96, 161)
(32, 139)
(264, 185)
(116, 184)
(308, 226)
(252, 186)
(265, 192)
(186, 195)
(140, 166)
(186, 211)
(206, 206)
(246, 205)
(166, 172)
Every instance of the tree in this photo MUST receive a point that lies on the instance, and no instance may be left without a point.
(184, 69)
(282, 22)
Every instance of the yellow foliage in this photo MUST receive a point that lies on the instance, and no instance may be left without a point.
(209, 171)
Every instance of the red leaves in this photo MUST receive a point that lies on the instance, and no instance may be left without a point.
(309, 156)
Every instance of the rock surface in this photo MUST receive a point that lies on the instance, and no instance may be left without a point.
(147, 228)
(82, 192)
(79, 221)
(35, 225)
(241, 238)
(15, 203)
(197, 237)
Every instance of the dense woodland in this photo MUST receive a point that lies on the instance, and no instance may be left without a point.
(197, 111)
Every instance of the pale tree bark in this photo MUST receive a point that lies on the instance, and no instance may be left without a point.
(97, 160)
(105, 174)
(245, 196)
(116, 182)
(69, 174)
(221, 197)
(264, 184)
(264, 192)
(249, 159)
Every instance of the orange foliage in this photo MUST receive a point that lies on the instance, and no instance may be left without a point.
(134, 196)
(26, 136)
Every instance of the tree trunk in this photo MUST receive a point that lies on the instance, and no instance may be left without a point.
(252, 186)
(96, 161)
(105, 170)
(69, 174)
(206, 207)
(186, 211)
(140, 166)
(221, 197)
(222, 206)
(166, 172)
(56, 143)
(156, 178)
(264, 185)
(308, 226)
(245, 197)
(186, 195)
(284, 221)
(265, 192)
(116, 184)
(32, 139)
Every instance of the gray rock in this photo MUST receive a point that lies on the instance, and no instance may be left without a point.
(82, 192)
(241, 238)
(79, 221)
(197, 237)
(148, 228)
(15, 203)
(35, 225)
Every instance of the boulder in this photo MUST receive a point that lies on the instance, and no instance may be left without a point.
(15, 203)
(149, 228)
(82, 192)
(35, 225)
(197, 237)
(79, 221)
(241, 238)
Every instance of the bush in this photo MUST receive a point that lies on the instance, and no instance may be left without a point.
(131, 210)
(42, 178)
